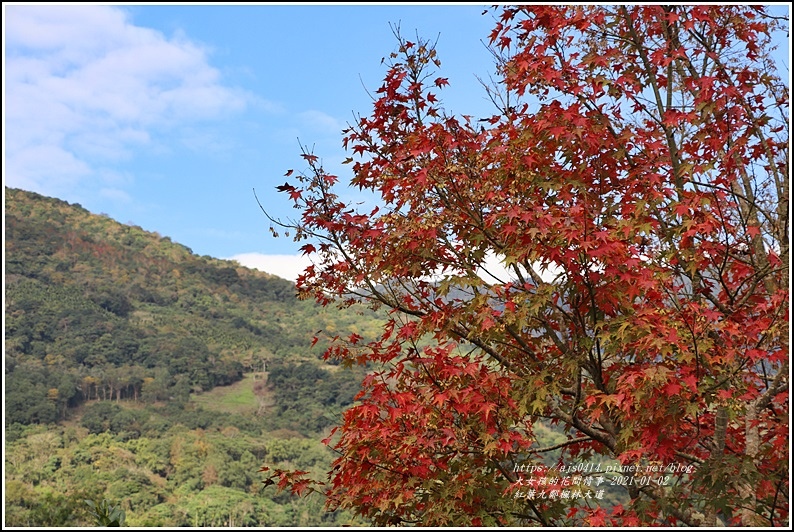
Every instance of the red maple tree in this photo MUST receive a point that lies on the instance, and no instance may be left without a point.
(633, 184)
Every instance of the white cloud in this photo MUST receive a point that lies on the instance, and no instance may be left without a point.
(291, 266)
(494, 270)
(115, 194)
(85, 87)
(322, 122)
(284, 266)
(27, 166)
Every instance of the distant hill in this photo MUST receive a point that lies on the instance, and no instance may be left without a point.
(96, 309)
(135, 371)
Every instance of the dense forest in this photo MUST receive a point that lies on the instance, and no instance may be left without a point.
(138, 371)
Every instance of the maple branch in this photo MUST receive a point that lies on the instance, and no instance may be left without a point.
(603, 437)
(674, 158)
(463, 334)
(777, 386)
(685, 516)
(754, 121)
(772, 166)
(773, 506)
(690, 457)
(540, 517)
(563, 444)
(524, 346)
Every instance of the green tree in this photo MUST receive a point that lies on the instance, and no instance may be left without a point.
(105, 514)
(98, 417)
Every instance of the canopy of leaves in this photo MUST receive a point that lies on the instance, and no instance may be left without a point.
(633, 184)
(171, 474)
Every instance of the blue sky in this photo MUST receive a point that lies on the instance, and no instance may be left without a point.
(167, 117)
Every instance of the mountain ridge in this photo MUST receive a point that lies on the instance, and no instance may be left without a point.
(85, 293)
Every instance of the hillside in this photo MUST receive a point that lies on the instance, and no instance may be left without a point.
(97, 309)
(136, 368)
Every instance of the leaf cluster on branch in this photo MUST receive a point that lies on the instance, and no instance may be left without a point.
(633, 184)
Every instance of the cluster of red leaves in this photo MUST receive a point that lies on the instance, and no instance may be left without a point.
(637, 160)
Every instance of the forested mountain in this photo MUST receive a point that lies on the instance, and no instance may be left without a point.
(113, 337)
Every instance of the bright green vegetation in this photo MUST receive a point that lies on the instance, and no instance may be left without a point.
(105, 514)
(169, 475)
(134, 374)
(237, 398)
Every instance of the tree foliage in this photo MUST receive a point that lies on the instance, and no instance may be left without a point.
(170, 476)
(105, 514)
(633, 184)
